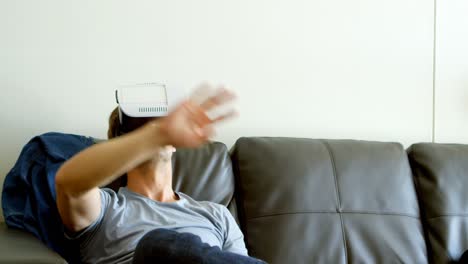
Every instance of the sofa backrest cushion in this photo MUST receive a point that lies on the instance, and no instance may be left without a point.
(204, 173)
(327, 201)
(441, 173)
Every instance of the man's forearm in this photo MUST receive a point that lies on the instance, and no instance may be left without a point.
(102, 163)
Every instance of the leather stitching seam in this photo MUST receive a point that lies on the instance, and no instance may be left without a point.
(332, 160)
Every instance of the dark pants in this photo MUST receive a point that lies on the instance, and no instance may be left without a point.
(464, 258)
(167, 246)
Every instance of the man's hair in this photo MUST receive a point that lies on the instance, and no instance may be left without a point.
(129, 123)
(114, 124)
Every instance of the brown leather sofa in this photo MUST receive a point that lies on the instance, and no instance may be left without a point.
(322, 201)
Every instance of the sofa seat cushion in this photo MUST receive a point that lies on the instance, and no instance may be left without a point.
(20, 247)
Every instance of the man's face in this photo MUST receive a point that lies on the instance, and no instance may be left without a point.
(132, 123)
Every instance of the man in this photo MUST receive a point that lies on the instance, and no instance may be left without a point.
(109, 225)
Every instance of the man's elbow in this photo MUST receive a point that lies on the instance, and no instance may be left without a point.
(60, 179)
(63, 185)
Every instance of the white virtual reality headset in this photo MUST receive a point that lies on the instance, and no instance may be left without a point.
(142, 100)
(139, 103)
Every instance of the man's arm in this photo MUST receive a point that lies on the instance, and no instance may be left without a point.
(77, 181)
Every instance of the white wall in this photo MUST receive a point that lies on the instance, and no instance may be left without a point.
(452, 72)
(321, 69)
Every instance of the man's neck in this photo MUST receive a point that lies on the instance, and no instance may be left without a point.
(153, 179)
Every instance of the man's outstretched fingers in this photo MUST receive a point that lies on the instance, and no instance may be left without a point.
(220, 97)
(198, 115)
(230, 114)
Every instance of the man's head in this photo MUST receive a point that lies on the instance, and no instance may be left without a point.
(129, 124)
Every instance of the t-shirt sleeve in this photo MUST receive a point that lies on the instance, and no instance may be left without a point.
(233, 239)
(86, 234)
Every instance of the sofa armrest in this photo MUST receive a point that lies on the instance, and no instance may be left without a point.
(17, 246)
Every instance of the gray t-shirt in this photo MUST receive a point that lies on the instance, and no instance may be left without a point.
(127, 216)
